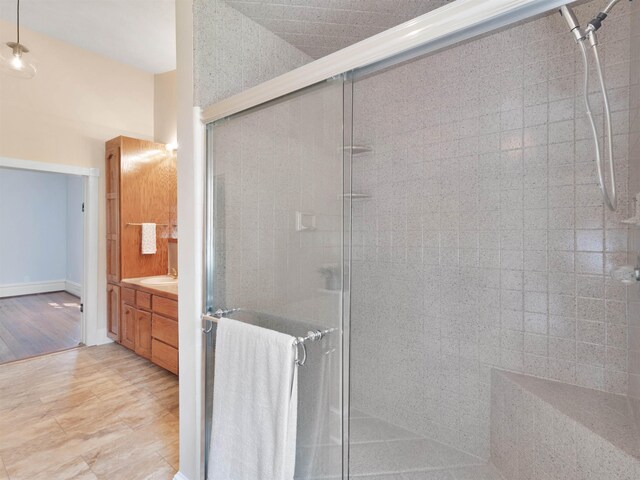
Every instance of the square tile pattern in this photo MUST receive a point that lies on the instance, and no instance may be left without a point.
(233, 53)
(320, 27)
(382, 451)
(485, 242)
(633, 307)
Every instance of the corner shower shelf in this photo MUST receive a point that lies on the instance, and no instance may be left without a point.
(631, 221)
(358, 149)
(635, 220)
(354, 196)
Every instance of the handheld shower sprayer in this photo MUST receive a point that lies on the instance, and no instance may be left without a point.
(589, 33)
(572, 21)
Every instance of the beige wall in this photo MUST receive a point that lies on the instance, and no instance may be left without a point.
(76, 102)
(164, 116)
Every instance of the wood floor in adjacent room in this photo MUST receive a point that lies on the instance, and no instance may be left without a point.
(33, 325)
(88, 413)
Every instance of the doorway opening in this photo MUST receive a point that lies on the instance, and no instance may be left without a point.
(45, 258)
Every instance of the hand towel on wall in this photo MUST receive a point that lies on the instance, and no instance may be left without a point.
(148, 238)
(255, 404)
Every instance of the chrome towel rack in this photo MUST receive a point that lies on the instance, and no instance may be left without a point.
(157, 224)
(312, 336)
(299, 342)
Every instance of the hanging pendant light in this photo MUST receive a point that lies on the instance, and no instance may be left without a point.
(14, 63)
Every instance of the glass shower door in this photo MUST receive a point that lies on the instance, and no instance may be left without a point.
(275, 248)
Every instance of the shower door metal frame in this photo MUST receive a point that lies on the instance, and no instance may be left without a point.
(208, 276)
(347, 228)
(437, 29)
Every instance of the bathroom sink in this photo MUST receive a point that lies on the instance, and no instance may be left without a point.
(159, 280)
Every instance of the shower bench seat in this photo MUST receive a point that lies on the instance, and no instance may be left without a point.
(546, 430)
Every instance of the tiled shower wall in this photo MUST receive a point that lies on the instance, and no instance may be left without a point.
(233, 53)
(485, 242)
(271, 164)
(634, 188)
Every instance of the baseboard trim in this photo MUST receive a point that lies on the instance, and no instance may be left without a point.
(180, 476)
(31, 288)
(73, 288)
(101, 337)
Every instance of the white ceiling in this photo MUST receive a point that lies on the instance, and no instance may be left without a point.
(320, 27)
(140, 33)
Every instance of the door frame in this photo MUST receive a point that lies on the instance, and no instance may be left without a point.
(89, 329)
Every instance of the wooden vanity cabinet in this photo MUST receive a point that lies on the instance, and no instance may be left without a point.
(141, 186)
(150, 326)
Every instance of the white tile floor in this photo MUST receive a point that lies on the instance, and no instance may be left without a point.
(382, 451)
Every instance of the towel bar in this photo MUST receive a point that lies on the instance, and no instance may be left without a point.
(157, 224)
(312, 336)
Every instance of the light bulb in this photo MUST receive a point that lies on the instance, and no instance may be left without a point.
(14, 63)
(17, 62)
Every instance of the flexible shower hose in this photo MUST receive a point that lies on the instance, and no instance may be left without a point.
(609, 198)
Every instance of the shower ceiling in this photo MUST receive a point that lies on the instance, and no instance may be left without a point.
(320, 27)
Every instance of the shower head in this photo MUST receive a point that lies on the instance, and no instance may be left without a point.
(572, 21)
(608, 192)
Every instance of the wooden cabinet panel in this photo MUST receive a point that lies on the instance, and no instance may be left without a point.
(112, 169)
(148, 193)
(143, 300)
(128, 296)
(113, 312)
(113, 262)
(165, 306)
(113, 217)
(143, 334)
(165, 329)
(128, 327)
(164, 355)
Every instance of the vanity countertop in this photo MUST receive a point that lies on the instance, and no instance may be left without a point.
(169, 291)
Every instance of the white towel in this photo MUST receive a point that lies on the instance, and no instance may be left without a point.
(255, 404)
(148, 238)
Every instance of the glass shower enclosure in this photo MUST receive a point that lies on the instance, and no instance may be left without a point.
(275, 230)
(442, 213)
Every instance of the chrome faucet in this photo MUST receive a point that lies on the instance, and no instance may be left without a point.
(173, 273)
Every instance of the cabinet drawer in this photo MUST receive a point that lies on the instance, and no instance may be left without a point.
(165, 306)
(164, 329)
(143, 300)
(164, 355)
(129, 296)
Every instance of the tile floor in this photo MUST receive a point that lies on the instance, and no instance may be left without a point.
(88, 413)
(382, 451)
